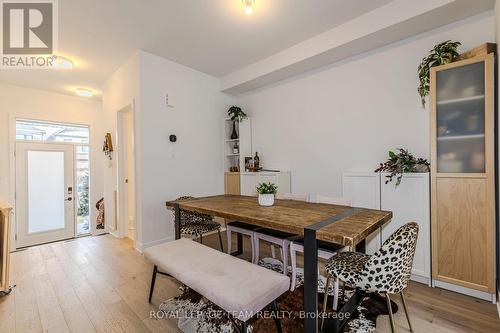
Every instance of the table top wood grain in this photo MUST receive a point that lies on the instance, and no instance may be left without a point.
(292, 216)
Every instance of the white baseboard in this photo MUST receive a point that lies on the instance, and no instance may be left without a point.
(142, 246)
(466, 291)
(421, 279)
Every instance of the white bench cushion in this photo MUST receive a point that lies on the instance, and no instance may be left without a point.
(235, 285)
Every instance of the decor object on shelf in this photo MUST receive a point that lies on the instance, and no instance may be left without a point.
(266, 193)
(248, 163)
(401, 163)
(236, 114)
(234, 134)
(256, 161)
(441, 54)
(107, 147)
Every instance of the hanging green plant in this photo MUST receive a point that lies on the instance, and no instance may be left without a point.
(441, 54)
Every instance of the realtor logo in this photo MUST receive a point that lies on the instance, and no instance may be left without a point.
(28, 33)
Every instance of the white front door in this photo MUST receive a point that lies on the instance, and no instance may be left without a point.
(45, 209)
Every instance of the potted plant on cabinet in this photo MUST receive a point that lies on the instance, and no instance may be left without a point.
(403, 162)
(266, 193)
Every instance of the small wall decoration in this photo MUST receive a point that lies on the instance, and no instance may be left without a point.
(107, 147)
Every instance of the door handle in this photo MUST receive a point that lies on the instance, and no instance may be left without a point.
(69, 199)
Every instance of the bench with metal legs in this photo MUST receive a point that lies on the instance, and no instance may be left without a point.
(238, 287)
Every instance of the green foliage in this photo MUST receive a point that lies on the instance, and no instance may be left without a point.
(83, 200)
(235, 112)
(441, 54)
(267, 188)
(397, 164)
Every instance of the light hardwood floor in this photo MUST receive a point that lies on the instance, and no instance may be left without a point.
(100, 284)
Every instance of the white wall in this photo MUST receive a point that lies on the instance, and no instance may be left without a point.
(37, 104)
(348, 115)
(164, 170)
(192, 165)
(120, 91)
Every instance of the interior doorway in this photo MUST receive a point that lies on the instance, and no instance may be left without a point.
(126, 173)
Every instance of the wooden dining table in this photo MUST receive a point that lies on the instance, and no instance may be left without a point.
(348, 226)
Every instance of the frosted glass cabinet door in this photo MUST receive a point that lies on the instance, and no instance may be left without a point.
(460, 119)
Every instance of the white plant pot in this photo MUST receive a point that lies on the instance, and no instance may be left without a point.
(266, 199)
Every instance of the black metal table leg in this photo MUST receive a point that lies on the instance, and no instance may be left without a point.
(310, 281)
(311, 269)
(177, 212)
(361, 246)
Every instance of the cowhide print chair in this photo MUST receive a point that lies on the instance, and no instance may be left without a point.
(196, 224)
(387, 271)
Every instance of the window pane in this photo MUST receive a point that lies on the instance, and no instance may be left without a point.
(45, 191)
(82, 187)
(51, 132)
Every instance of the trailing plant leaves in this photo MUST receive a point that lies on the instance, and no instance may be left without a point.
(400, 163)
(441, 54)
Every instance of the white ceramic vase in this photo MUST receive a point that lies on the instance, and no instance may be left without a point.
(266, 199)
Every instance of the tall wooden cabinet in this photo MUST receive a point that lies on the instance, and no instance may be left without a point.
(462, 176)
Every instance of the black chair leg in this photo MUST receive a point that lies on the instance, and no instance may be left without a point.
(220, 240)
(277, 321)
(153, 280)
(244, 327)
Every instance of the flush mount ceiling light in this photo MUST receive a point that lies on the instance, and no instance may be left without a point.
(248, 6)
(82, 92)
(61, 62)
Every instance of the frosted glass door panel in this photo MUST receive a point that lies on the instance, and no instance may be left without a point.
(45, 191)
(460, 119)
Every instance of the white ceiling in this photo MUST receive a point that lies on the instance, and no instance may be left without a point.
(214, 37)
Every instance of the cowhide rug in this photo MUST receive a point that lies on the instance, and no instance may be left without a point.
(196, 314)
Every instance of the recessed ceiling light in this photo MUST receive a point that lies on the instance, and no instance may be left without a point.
(82, 92)
(61, 62)
(248, 6)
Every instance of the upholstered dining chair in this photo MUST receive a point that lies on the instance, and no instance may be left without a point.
(277, 237)
(387, 271)
(197, 224)
(325, 250)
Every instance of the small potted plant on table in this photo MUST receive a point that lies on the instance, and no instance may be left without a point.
(266, 193)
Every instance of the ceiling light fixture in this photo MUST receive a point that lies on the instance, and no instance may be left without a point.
(61, 62)
(82, 92)
(248, 6)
